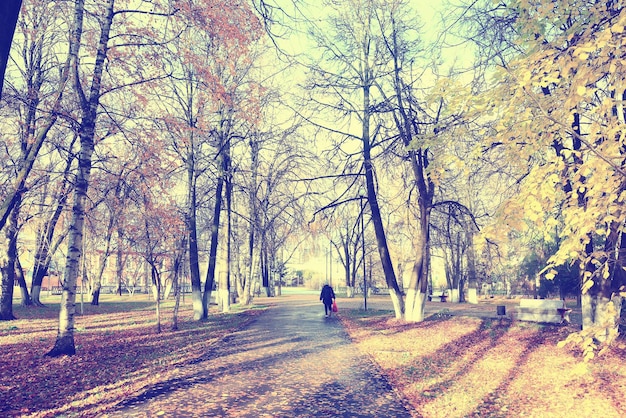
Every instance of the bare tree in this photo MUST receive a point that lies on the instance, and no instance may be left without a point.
(353, 60)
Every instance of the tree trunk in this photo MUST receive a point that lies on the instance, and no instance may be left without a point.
(43, 254)
(602, 303)
(95, 294)
(472, 280)
(418, 287)
(178, 261)
(240, 279)
(379, 229)
(19, 274)
(64, 344)
(247, 289)
(119, 259)
(156, 280)
(347, 267)
(192, 236)
(45, 248)
(254, 156)
(9, 12)
(215, 230)
(265, 269)
(7, 265)
(229, 191)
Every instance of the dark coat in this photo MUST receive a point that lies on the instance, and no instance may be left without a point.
(327, 295)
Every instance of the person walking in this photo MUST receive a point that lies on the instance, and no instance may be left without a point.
(327, 297)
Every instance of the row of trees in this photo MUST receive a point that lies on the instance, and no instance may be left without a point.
(160, 126)
(528, 140)
(131, 128)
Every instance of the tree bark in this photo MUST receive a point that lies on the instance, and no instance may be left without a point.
(215, 230)
(19, 275)
(64, 344)
(192, 235)
(97, 284)
(254, 156)
(7, 266)
(9, 13)
(372, 199)
(178, 261)
(229, 193)
(119, 258)
(418, 286)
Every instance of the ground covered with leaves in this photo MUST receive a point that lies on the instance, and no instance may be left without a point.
(456, 366)
(118, 353)
(446, 366)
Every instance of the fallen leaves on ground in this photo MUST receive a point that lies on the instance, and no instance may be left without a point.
(118, 353)
(455, 366)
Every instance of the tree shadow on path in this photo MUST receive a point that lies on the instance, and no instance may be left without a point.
(288, 362)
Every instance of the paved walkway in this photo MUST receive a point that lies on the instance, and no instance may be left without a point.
(290, 362)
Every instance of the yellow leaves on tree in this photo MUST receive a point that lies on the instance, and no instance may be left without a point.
(560, 106)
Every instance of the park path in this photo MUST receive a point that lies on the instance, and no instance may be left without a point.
(290, 362)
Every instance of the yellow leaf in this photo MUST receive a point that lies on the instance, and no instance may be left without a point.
(617, 28)
(586, 286)
(551, 274)
(581, 90)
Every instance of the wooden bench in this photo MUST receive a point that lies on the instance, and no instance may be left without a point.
(543, 310)
(438, 298)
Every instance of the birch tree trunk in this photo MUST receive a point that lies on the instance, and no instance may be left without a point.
(252, 190)
(229, 193)
(64, 344)
(21, 279)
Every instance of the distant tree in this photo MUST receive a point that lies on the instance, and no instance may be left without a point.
(198, 101)
(348, 245)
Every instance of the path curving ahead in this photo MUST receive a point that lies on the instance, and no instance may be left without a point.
(289, 362)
